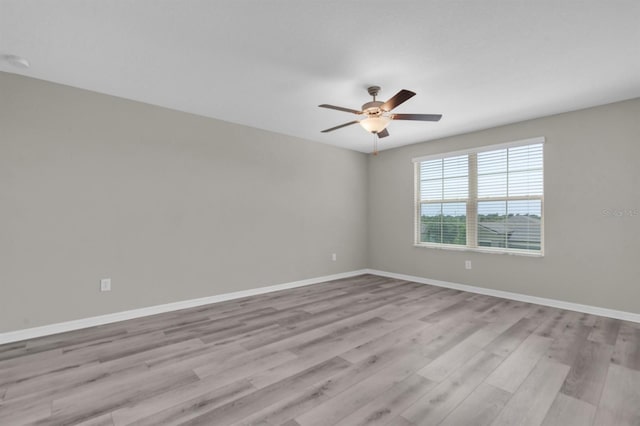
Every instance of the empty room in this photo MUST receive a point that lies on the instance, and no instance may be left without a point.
(314, 213)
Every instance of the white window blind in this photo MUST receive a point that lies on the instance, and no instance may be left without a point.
(444, 190)
(488, 199)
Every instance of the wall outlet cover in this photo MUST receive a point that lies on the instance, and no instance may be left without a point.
(105, 284)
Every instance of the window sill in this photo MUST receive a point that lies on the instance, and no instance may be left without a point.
(481, 250)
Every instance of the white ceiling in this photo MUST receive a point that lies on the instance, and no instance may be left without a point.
(269, 63)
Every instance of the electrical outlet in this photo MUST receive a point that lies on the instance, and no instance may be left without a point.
(105, 284)
(467, 264)
(334, 256)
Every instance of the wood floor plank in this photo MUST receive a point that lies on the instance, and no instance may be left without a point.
(303, 362)
(124, 361)
(14, 346)
(461, 308)
(321, 319)
(619, 402)
(568, 411)
(506, 309)
(262, 355)
(567, 345)
(345, 403)
(349, 336)
(508, 341)
(428, 305)
(180, 402)
(605, 331)
(316, 394)
(105, 396)
(343, 352)
(24, 412)
(72, 377)
(282, 371)
(230, 373)
(68, 339)
(627, 347)
(390, 403)
(104, 420)
(191, 358)
(284, 410)
(588, 372)
(530, 404)
(538, 314)
(57, 383)
(475, 305)
(480, 408)
(399, 421)
(452, 359)
(433, 407)
(32, 367)
(396, 290)
(104, 351)
(414, 333)
(10, 364)
(249, 404)
(556, 325)
(451, 337)
(515, 369)
(425, 291)
(283, 316)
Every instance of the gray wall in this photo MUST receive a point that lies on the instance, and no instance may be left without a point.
(170, 205)
(592, 174)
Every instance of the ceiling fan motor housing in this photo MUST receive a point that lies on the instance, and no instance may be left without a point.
(372, 108)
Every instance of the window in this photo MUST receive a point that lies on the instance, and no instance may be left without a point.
(489, 199)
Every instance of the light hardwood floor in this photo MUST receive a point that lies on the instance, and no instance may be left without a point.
(365, 350)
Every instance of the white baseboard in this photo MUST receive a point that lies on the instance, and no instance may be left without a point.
(30, 333)
(594, 310)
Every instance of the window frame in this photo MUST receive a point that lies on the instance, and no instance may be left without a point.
(472, 201)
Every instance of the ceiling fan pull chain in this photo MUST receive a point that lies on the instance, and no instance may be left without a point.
(375, 143)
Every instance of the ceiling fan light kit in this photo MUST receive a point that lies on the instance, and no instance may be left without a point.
(375, 124)
(377, 115)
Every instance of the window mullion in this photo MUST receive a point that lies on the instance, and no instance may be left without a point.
(442, 206)
(472, 202)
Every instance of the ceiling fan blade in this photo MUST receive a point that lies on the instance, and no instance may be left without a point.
(397, 99)
(383, 134)
(340, 126)
(340, 108)
(417, 117)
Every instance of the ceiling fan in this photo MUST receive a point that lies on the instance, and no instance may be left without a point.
(377, 115)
